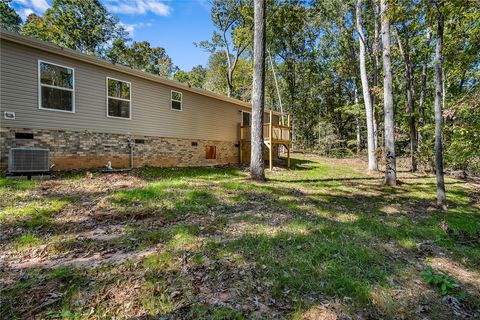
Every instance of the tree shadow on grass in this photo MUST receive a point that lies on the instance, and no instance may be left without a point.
(273, 251)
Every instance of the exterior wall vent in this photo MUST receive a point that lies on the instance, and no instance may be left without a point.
(28, 160)
(23, 135)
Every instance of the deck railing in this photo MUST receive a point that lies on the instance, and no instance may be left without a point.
(271, 132)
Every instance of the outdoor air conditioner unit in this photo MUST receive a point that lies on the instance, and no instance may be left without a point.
(28, 160)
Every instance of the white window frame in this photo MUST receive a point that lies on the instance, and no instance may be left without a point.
(109, 97)
(181, 100)
(243, 111)
(40, 84)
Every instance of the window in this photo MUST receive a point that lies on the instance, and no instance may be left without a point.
(246, 118)
(118, 98)
(176, 100)
(56, 87)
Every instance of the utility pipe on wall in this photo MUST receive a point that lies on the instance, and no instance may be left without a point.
(131, 144)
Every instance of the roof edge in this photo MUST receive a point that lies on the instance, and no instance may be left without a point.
(73, 54)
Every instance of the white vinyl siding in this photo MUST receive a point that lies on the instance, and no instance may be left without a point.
(202, 117)
(56, 87)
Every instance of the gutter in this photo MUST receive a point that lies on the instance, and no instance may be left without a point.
(73, 54)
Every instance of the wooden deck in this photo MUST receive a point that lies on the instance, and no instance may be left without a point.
(273, 134)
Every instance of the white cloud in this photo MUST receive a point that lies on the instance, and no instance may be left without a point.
(205, 4)
(34, 5)
(130, 28)
(24, 13)
(157, 7)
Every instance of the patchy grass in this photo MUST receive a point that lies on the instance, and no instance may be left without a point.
(322, 240)
(25, 242)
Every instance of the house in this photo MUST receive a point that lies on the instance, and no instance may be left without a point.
(88, 112)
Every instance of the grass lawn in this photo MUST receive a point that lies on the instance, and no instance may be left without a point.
(324, 240)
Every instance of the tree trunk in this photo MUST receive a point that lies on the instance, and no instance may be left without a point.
(441, 199)
(357, 124)
(411, 119)
(405, 53)
(257, 165)
(372, 159)
(389, 122)
(423, 92)
(423, 96)
(376, 64)
(229, 85)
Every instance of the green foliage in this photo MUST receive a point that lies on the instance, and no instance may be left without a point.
(9, 19)
(196, 77)
(86, 26)
(440, 279)
(216, 81)
(181, 76)
(140, 55)
(462, 135)
(233, 20)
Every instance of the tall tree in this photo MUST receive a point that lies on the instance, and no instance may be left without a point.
(376, 49)
(233, 20)
(85, 25)
(372, 159)
(216, 81)
(423, 86)
(441, 198)
(389, 122)
(181, 76)
(291, 37)
(9, 19)
(141, 55)
(196, 76)
(404, 47)
(257, 164)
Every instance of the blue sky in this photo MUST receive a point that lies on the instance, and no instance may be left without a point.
(172, 24)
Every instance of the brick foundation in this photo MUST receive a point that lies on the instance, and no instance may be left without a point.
(82, 150)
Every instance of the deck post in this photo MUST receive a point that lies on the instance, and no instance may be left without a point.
(270, 133)
(289, 139)
(240, 148)
(240, 157)
(288, 155)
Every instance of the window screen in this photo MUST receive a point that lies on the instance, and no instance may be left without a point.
(118, 98)
(56, 87)
(176, 100)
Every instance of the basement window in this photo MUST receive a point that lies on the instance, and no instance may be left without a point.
(210, 152)
(56, 89)
(176, 100)
(118, 99)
